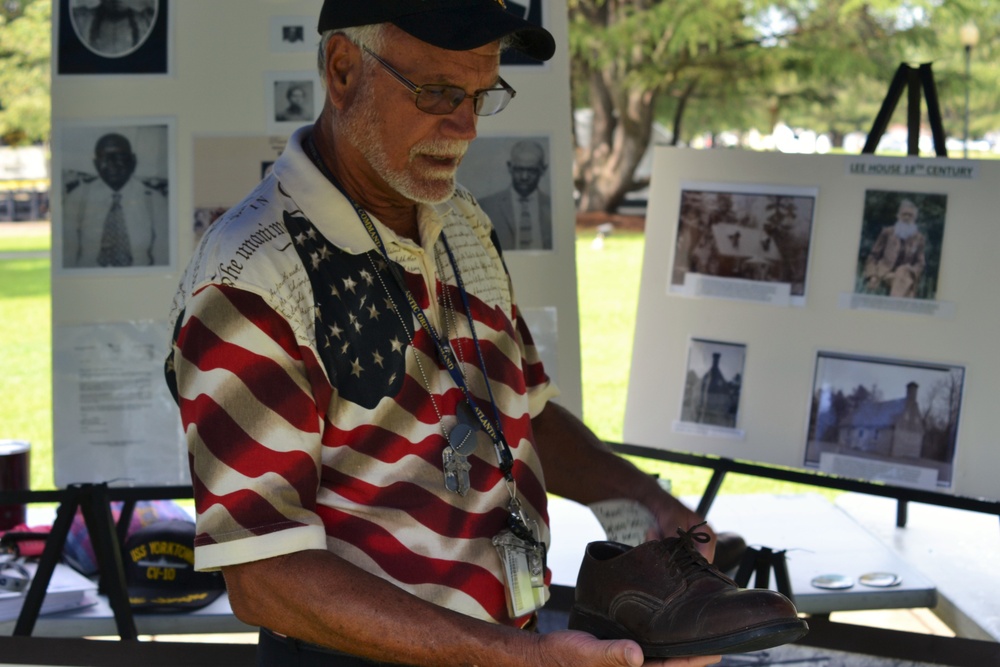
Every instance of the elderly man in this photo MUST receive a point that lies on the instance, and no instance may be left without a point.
(896, 261)
(522, 214)
(117, 219)
(367, 416)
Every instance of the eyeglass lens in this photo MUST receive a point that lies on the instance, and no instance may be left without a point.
(438, 99)
(444, 99)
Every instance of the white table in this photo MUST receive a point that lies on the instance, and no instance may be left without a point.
(817, 536)
(99, 620)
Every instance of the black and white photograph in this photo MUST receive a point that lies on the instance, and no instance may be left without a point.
(885, 420)
(713, 383)
(294, 99)
(509, 176)
(899, 254)
(113, 37)
(293, 34)
(115, 208)
(529, 10)
(758, 234)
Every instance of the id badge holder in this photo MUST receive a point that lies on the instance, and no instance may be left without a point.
(524, 571)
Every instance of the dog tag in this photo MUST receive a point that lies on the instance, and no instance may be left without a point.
(467, 417)
(456, 471)
(463, 439)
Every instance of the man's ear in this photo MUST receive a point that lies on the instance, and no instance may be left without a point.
(343, 68)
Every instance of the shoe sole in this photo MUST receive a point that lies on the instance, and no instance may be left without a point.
(755, 638)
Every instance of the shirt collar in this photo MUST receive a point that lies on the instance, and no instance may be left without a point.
(331, 212)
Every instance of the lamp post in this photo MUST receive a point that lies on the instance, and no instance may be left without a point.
(969, 36)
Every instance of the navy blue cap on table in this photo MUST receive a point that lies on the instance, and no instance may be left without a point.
(159, 569)
(457, 25)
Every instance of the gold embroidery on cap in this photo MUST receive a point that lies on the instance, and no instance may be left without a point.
(502, 3)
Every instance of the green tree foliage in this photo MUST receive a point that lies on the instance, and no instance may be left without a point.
(704, 66)
(25, 54)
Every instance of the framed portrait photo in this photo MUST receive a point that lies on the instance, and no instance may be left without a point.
(899, 254)
(113, 201)
(509, 176)
(99, 37)
(292, 99)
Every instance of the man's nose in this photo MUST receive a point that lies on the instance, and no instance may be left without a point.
(461, 122)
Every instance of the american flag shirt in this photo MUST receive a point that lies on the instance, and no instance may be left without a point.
(310, 397)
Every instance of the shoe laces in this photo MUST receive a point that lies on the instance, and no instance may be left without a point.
(684, 553)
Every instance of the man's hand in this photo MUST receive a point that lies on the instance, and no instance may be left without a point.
(570, 648)
(671, 515)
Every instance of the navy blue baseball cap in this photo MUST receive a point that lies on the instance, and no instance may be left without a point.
(458, 25)
(159, 569)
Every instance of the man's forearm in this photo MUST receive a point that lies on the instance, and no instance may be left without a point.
(580, 466)
(317, 597)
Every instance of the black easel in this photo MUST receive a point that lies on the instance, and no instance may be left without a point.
(763, 561)
(94, 501)
(913, 79)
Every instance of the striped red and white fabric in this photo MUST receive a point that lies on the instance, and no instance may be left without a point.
(314, 406)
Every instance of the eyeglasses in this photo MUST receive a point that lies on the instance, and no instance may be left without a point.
(442, 99)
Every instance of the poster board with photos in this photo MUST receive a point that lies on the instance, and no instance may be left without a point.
(211, 144)
(793, 313)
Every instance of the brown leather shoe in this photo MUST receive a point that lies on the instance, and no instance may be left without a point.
(668, 598)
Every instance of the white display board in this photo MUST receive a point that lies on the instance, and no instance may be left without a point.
(790, 314)
(202, 99)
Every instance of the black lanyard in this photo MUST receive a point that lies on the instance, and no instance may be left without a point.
(495, 432)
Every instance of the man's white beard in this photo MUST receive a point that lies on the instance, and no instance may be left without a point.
(905, 230)
(435, 186)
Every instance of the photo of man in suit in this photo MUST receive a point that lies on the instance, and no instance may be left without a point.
(522, 213)
(115, 219)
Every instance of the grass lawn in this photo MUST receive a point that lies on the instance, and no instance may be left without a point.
(25, 363)
(608, 296)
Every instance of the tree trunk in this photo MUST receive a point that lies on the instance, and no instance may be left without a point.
(621, 131)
